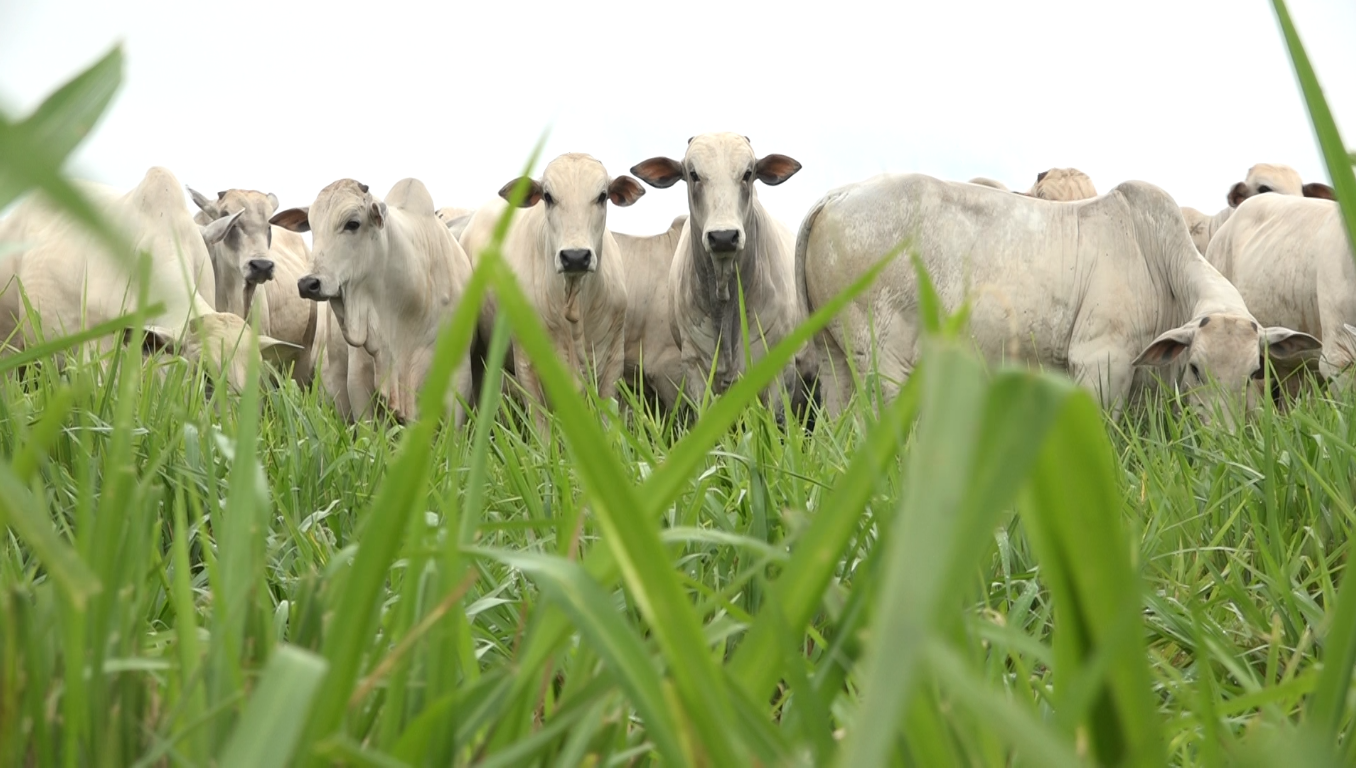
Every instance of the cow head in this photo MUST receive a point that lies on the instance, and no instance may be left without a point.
(348, 231)
(1217, 360)
(236, 229)
(574, 191)
(1062, 184)
(222, 342)
(719, 169)
(1263, 178)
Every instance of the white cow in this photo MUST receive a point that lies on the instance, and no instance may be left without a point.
(392, 275)
(653, 358)
(72, 280)
(1291, 261)
(1095, 288)
(729, 240)
(1062, 184)
(1262, 178)
(568, 264)
(456, 219)
(254, 253)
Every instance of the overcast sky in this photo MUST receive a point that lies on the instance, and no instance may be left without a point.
(285, 98)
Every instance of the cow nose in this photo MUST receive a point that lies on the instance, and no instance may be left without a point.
(261, 270)
(309, 288)
(723, 240)
(576, 259)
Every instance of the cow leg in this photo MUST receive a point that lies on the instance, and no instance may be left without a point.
(533, 396)
(362, 383)
(1103, 371)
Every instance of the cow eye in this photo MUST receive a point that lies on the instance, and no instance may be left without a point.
(1260, 373)
(1195, 372)
(548, 199)
(352, 225)
(1263, 189)
(748, 175)
(602, 198)
(693, 176)
(268, 234)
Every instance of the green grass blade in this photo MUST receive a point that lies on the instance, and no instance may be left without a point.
(47, 349)
(268, 733)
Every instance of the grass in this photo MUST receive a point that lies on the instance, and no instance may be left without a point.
(984, 572)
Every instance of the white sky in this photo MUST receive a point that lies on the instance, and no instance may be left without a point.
(284, 98)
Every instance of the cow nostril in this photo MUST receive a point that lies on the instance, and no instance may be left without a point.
(576, 259)
(262, 268)
(308, 287)
(723, 240)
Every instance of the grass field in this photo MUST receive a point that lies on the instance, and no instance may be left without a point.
(984, 572)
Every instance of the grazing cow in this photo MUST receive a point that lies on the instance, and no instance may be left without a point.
(255, 253)
(72, 280)
(568, 264)
(392, 275)
(1062, 184)
(1291, 261)
(1262, 178)
(986, 182)
(1096, 288)
(653, 359)
(455, 219)
(729, 240)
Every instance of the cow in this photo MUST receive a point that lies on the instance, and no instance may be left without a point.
(653, 359)
(729, 242)
(72, 280)
(1262, 178)
(392, 275)
(254, 253)
(1103, 289)
(568, 264)
(1291, 261)
(1062, 184)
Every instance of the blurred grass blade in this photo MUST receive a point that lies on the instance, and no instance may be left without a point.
(1073, 517)
(23, 514)
(267, 734)
(50, 348)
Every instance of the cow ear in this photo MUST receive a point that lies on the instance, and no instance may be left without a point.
(1238, 193)
(277, 352)
(531, 195)
(216, 231)
(378, 211)
(624, 191)
(658, 172)
(155, 339)
(1168, 346)
(1041, 176)
(1283, 344)
(272, 201)
(774, 169)
(207, 206)
(1320, 191)
(294, 219)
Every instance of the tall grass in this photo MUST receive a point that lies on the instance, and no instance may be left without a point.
(1010, 579)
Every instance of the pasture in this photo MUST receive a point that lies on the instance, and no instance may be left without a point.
(984, 570)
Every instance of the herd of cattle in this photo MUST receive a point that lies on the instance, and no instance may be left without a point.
(1118, 290)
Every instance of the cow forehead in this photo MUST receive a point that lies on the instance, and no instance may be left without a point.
(1278, 177)
(575, 173)
(1228, 333)
(255, 204)
(337, 198)
(720, 150)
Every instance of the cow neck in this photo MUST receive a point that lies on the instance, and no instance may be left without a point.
(1197, 289)
(723, 306)
(230, 284)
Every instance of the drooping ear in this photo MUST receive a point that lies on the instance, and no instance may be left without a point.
(1168, 346)
(1319, 190)
(531, 196)
(774, 169)
(156, 339)
(294, 219)
(1283, 344)
(624, 191)
(277, 352)
(207, 206)
(216, 231)
(272, 201)
(1041, 176)
(659, 172)
(378, 211)
(1238, 193)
